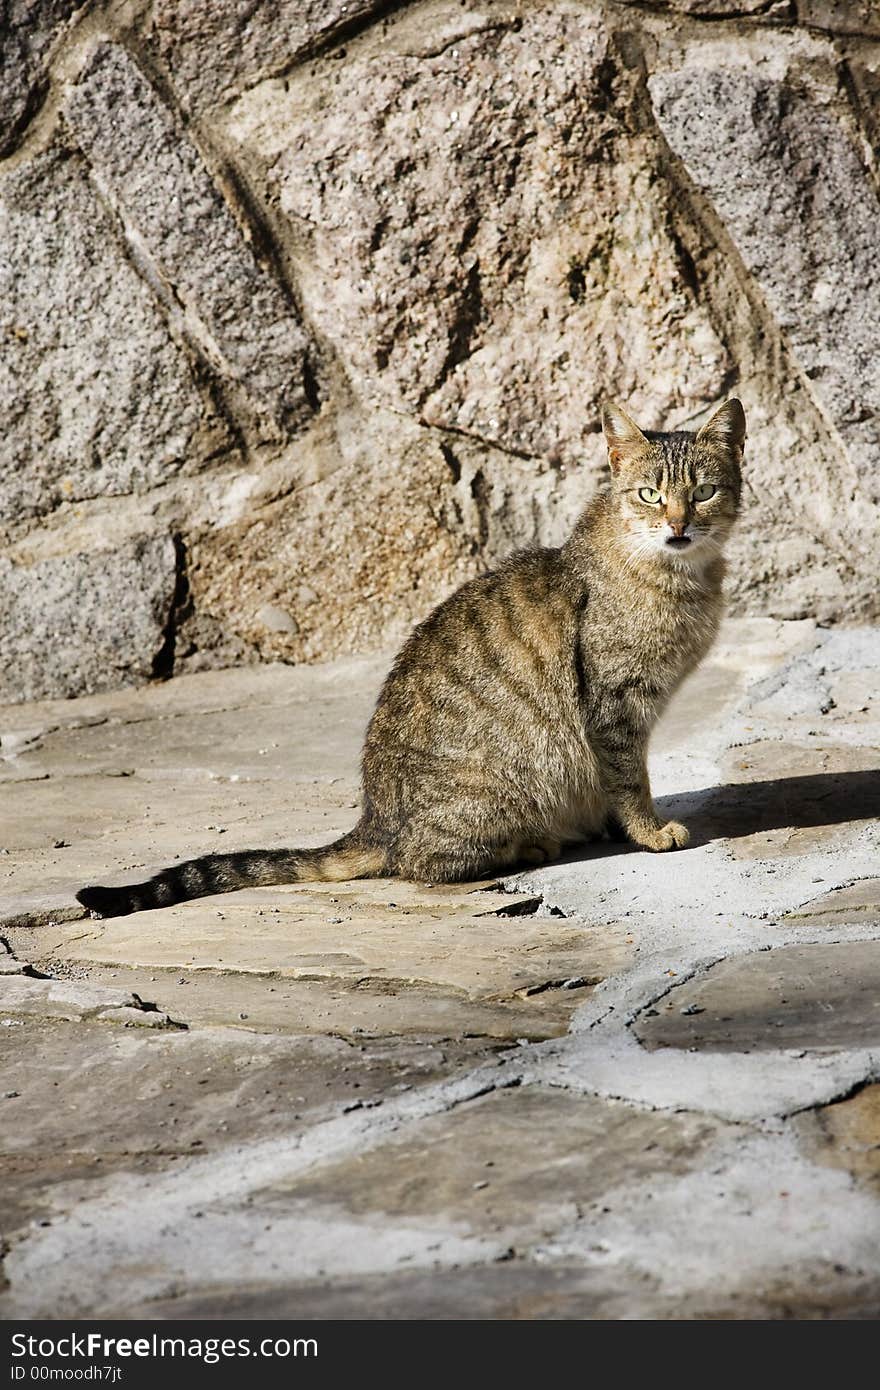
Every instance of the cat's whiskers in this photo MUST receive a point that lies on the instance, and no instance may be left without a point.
(644, 546)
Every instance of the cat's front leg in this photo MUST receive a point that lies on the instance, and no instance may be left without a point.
(629, 795)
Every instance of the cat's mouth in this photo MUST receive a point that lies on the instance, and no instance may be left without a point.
(678, 542)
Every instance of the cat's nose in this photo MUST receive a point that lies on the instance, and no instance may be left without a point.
(678, 526)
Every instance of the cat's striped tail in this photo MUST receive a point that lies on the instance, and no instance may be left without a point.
(348, 857)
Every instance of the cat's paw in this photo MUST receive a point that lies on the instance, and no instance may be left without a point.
(672, 835)
(543, 853)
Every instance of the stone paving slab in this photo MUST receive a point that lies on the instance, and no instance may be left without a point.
(823, 996)
(303, 1007)
(847, 1135)
(849, 903)
(182, 1093)
(129, 780)
(570, 1094)
(565, 1290)
(467, 959)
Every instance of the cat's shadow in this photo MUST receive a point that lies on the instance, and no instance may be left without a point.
(736, 810)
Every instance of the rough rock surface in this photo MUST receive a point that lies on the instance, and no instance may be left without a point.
(858, 17)
(174, 215)
(97, 398)
(442, 505)
(213, 50)
(86, 622)
(554, 219)
(27, 30)
(337, 303)
(790, 207)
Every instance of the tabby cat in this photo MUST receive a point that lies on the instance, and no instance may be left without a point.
(515, 721)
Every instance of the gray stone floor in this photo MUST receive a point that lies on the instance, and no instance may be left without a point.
(624, 1086)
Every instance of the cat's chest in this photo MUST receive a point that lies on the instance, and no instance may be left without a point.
(655, 641)
(668, 634)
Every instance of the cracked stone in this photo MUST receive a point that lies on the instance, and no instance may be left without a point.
(379, 1214)
(480, 214)
(67, 999)
(854, 902)
(255, 1117)
(532, 1184)
(381, 516)
(432, 961)
(218, 1081)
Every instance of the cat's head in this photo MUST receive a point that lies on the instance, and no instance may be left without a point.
(678, 494)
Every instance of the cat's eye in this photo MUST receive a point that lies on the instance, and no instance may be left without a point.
(649, 494)
(704, 492)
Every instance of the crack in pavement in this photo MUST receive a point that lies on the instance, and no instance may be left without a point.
(37, 1267)
(679, 941)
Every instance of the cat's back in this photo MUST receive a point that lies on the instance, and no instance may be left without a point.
(498, 649)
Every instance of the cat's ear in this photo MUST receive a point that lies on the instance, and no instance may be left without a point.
(622, 435)
(726, 429)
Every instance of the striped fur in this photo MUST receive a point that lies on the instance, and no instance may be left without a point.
(515, 720)
(223, 873)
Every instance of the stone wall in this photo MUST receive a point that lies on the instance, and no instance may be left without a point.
(308, 307)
